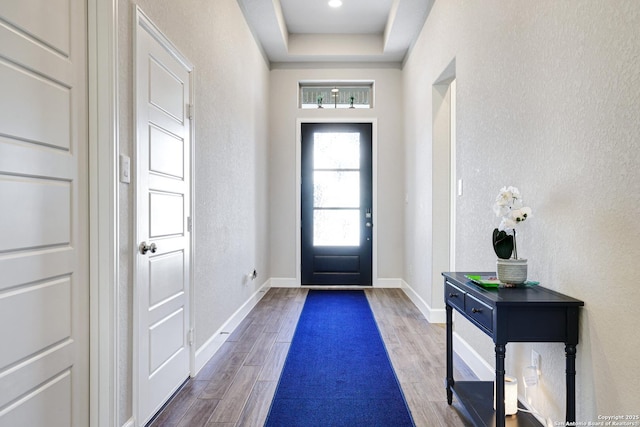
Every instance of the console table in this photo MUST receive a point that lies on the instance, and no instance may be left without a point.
(520, 314)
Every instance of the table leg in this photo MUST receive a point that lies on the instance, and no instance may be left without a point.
(450, 380)
(570, 351)
(500, 409)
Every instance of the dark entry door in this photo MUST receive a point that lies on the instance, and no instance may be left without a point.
(337, 219)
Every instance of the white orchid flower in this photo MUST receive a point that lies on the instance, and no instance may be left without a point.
(515, 193)
(516, 204)
(504, 197)
(509, 207)
(501, 210)
(519, 215)
(507, 224)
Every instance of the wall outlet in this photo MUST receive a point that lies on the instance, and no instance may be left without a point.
(536, 361)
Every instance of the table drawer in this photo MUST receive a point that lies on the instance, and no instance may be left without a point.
(478, 311)
(454, 296)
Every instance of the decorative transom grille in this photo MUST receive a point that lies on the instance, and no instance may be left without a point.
(327, 95)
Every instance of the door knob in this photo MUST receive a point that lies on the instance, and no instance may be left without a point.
(144, 248)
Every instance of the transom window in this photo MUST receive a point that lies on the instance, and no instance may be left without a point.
(336, 95)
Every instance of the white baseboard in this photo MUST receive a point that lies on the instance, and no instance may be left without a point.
(388, 283)
(284, 282)
(483, 370)
(433, 315)
(213, 344)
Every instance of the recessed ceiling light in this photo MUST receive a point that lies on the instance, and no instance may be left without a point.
(335, 3)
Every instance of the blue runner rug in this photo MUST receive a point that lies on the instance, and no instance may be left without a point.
(337, 372)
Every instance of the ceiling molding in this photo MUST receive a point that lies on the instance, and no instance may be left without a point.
(404, 20)
(335, 65)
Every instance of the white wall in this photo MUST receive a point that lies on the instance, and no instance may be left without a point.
(389, 218)
(548, 100)
(230, 170)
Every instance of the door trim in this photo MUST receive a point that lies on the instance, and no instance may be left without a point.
(374, 189)
(144, 23)
(444, 173)
(453, 185)
(102, 33)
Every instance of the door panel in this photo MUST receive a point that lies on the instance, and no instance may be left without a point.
(166, 215)
(44, 374)
(47, 305)
(166, 273)
(328, 263)
(25, 226)
(48, 405)
(166, 91)
(162, 209)
(166, 153)
(47, 21)
(30, 99)
(166, 338)
(336, 204)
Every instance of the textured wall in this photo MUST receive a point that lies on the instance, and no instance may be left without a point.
(230, 170)
(548, 101)
(387, 110)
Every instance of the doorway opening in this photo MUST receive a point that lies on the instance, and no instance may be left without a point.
(444, 187)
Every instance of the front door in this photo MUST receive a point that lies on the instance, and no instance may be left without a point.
(44, 212)
(336, 204)
(162, 344)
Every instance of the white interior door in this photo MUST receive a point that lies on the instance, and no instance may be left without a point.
(162, 212)
(44, 317)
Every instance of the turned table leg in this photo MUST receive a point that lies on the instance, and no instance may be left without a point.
(570, 351)
(450, 380)
(500, 409)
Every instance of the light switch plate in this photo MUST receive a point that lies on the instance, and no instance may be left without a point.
(125, 169)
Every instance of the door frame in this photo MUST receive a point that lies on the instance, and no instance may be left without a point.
(144, 23)
(374, 189)
(102, 34)
(104, 212)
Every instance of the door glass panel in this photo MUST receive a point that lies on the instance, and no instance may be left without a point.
(332, 150)
(336, 189)
(339, 227)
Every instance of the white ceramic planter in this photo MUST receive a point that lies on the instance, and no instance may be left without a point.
(512, 271)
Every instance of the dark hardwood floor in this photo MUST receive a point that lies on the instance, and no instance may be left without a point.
(236, 386)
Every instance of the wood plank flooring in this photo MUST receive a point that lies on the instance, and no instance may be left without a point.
(237, 385)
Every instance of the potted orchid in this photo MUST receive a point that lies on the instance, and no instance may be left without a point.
(508, 206)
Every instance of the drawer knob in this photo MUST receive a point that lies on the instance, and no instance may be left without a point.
(452, 295)
(476, 310)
